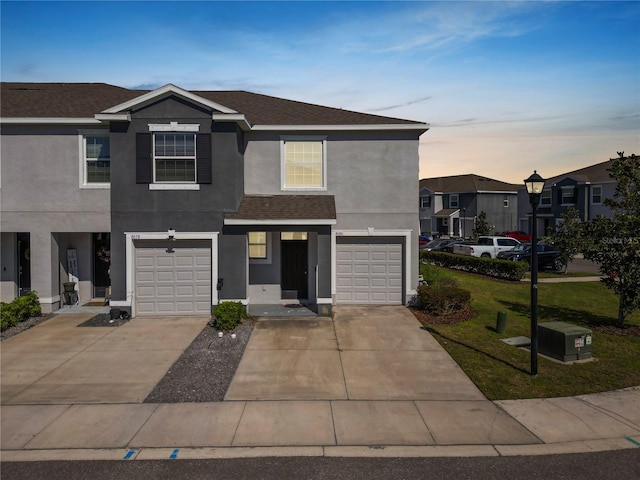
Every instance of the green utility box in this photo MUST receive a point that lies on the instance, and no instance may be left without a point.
(564, 341)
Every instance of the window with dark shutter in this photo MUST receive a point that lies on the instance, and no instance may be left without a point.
(144, 161)
(203, 158)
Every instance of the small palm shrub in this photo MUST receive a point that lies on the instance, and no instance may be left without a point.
(229, 315)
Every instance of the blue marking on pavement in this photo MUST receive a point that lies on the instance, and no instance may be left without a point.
(129, 454)
(635, 442)
(174, 454)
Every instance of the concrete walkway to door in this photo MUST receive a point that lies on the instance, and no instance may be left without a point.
(365, 353)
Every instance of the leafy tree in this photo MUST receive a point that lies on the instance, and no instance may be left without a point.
(568, 238)
(614, 243)
(482, 226)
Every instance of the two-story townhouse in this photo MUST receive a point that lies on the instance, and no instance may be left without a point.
(451, 205)
(179, 199)
(584, 189)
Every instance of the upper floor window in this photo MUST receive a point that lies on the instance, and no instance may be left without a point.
(596, 194)
(95, 156)
(568, 195)
(425, 202)
(304, 163)
(453, 200)
(545, 198)
(174, 157)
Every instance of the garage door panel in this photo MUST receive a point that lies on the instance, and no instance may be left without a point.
(174, 280)
(369, 273)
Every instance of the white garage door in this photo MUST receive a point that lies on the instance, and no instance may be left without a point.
(173, 278)
(368, 273)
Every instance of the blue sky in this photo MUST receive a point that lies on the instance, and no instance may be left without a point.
(508, 87)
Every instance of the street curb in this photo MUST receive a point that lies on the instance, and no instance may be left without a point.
(394, 451)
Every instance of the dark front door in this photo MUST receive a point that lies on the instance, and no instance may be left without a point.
(294, 266)
(24, 263)
(101, 263)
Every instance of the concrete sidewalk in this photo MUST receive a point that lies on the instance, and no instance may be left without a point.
(369, 383)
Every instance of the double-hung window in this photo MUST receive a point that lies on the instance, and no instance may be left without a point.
(303, 163)
(545, 198)
(453, 200)
(174, 157)
(425, 202)
(96, 160)
(568, 195)
(596, 194)
(257, 244)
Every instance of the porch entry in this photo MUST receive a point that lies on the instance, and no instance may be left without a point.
(24, 263)
(101, 263)
(294, 265)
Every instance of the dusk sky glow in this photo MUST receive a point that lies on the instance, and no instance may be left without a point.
(508, 87)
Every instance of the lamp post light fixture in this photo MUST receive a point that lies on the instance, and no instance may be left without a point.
(535, 185)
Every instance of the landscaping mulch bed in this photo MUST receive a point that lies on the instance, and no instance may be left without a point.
(426, 318)
(26, 325)
(103, 320)
(205, 369)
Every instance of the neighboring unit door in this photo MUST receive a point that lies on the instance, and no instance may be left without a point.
(369, 271)
(101, 263)
(172, 278)
(24, 263)
(294, 267)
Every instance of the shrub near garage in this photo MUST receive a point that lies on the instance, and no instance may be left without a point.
(442, 298)
(228, 315)
(19, 310)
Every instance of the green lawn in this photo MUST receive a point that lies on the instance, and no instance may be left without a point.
(502, 371)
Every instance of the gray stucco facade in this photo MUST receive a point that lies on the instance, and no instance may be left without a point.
(369, 177)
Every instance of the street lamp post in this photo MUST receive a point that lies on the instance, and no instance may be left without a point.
(535, 185)
(464, 220)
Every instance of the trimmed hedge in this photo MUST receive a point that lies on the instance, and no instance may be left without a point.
(442, 298)
(19, 310)
(503, 269)
(229, 315)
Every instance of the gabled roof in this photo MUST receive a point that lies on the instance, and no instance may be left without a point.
(465, 184)
(98, 100)
(283, 209)
(597, 173)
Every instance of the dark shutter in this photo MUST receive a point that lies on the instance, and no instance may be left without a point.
(203, 157)
(144, 166)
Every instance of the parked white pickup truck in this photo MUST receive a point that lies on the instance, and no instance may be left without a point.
(487, 246)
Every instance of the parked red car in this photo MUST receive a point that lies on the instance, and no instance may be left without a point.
(518, 235)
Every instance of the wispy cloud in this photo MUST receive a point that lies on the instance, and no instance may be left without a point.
(400, 105)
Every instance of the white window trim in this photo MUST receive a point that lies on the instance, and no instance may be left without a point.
(131, 237)
(451, 197)
(596, 203)
(303, 138)
(82, 172)
(173, 127)
(422, 200)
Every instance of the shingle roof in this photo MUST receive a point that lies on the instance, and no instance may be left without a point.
(466, 183)
(285, 207)
(84, 100)
(593, 173)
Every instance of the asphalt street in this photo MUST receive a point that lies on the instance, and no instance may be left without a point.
(587, 466)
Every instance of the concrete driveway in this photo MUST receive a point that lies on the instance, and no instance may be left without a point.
(61, 363)
(364, 353)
